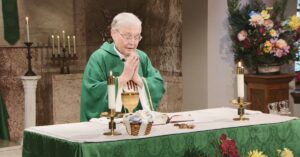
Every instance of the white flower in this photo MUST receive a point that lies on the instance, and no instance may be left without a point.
(242, 35)
(256, 19)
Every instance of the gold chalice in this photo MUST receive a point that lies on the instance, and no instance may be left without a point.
(130, 100)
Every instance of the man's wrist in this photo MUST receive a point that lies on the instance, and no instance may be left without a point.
(139, 82)
(122, 81)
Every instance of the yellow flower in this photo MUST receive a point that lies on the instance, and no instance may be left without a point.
(294, 22)
(285, 153)
(256, 153)
(273, 33)
(265, 14)
(267, 47)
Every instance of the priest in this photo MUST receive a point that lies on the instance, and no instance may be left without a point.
(130, 66)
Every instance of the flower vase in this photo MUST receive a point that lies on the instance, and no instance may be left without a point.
(268, 69)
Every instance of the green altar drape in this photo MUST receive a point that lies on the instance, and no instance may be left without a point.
(10, 21)
(266, 137)
(4, 132)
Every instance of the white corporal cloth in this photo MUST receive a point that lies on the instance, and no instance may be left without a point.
(207, 119)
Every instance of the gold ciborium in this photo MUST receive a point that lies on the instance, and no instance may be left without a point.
(130, 100)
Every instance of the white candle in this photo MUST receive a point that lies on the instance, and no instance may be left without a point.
(240, 82)
(63, 35)
(27, 28)
(74, 44)
(58, 45)
(111, 94)
(69, 45)
(52, 37)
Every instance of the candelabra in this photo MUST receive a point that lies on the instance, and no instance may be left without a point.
(29, 71)
(63, 60)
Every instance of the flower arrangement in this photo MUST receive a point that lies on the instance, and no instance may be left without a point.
(260, 34)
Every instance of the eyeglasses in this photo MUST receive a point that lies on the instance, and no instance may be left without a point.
(130, 37)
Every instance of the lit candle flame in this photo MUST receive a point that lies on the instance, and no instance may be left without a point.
(239, 64)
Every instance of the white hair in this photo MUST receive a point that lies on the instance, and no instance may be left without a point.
(125, 19)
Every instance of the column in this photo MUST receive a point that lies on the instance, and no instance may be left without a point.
(30, 84)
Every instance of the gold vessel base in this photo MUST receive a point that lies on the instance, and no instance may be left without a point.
(240, 119)
(112, 133)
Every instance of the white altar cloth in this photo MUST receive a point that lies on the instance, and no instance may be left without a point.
(207, 119)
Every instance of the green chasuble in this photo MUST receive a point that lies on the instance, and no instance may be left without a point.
(94, 98)
(4, 132)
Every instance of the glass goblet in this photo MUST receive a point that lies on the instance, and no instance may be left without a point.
(130, 100)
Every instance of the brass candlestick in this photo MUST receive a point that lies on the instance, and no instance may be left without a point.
(112, 105)
(241, 108)
(112, 124)
(240, 91)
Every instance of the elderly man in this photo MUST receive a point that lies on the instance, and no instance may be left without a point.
(127, 63)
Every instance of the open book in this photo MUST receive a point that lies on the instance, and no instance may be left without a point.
(180, 118)
(163, 118)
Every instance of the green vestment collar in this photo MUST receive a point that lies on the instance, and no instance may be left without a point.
(109, 48)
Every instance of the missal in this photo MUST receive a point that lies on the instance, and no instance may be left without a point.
(163, 118)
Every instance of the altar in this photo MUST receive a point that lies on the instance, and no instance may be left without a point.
(263, 131)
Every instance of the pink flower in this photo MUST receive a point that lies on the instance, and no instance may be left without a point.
(268, 24)
(242, 35)
(281, 44)
(279, 53)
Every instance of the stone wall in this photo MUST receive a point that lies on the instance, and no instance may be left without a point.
(162, 30)
(14, 65)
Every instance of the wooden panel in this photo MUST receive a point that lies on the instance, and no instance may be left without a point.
(257, 99)
(276, 95)
(263, 89)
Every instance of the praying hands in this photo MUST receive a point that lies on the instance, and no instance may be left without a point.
(130, 76)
